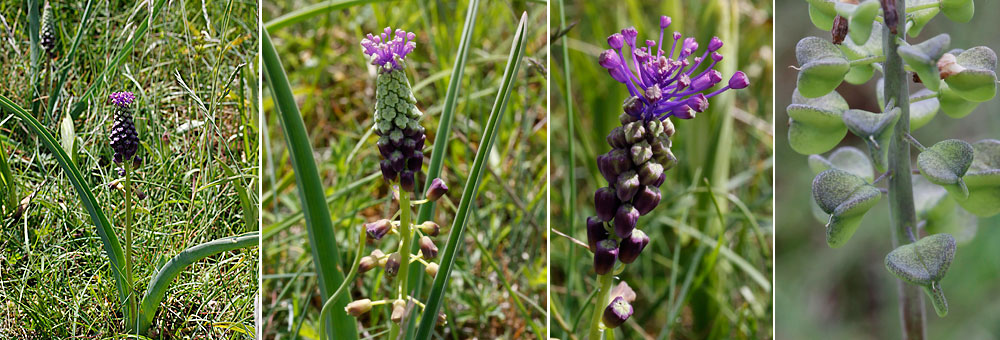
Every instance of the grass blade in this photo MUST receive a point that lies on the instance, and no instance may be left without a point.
(104, 228)
(126, 50)
(161, 281)
(68, 59)
(9, 197)
(307, 12)
(426, 212)
(434, 302)
(36, 52)
(321, 238)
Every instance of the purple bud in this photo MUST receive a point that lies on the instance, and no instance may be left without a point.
(653, 93)
(617, 312)
(682, 112)
(647, 199)
(388, 173)
(677, 35)
(605, 256)
(634, 132)
(376, 230)
(606, 203)
(397, 160)
(715, 44)
(649, 172)
(626, 118)
(633, 106)
(668, 127)
(664, 21)
(606, 169)
(739, 81)
(595, 232)
(641, 152)
(617, 138)
(625, 220)
(609, 59)
(392, 265)
(619, 160)
(406, 181)
(415, 161)
(371, 261)
(716, 57)
(630, 34)
(698, 103)
(627, 185)
(616, 41)
(632, 246)
(659, 181)
(427, 248)
(437, 189)
(408, 145)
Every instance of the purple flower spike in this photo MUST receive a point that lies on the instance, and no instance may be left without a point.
(661, 77)
(388, 50)
(122, 99)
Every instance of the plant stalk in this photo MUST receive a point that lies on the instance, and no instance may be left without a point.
(404, 247)
(362, 240)
(903, 214)
(131, 314)
(604, 281)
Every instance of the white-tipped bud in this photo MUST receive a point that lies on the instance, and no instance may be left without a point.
(398, 309)
(431, 269)
(358, 307)
(948, 65)
(430, 228)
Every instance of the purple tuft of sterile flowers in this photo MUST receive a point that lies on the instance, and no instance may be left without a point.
(663, 83)
(388, 50)
(122, 99)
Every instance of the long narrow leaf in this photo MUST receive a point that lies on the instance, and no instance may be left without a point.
(429, 318)
(304, 13)
(126, 50)
(36, 51)
(104, 228)
(161, 281)
(426, 212)
(67, 60)
(321, 238)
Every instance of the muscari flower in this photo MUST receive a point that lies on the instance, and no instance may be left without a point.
(397, 118)
(124, 139)
(48, 33)
(663, 81)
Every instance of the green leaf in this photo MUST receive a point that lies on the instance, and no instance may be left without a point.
(322, 242)
(945, 163)
(876, 130)
(921, 17)
(978, 81)
(846, 197)
(860, 74)
(165, 275)
(953, 104)
(922, 58)
(847, 158)
(68, 134)
(822, 12)
(924, 263)
(304, 13)
(958, 10)
(815, 124)
(983, 179)
(860, 19)
(872, 47)
(433, 304)
(922, 111)
(823, 66)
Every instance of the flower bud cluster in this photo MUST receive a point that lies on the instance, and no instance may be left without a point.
(124, 139)
(48, 33)
(663, 81)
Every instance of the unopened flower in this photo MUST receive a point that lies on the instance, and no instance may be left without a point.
(358, 307)
(48, 33)
(427, 248)
(378, 229)
(617, 312)
(605, 256)
(124, 139)
(632, 245)
(437, 189)
(392, 265)
(371, 261)
(596, 232)
(398, 309)
(430, 228)
(431, 269)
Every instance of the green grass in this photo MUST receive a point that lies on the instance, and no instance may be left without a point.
(853, 296)
(685, 270)
(504, 240)
(200, 182)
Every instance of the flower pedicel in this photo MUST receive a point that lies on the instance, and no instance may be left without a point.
(662, 82)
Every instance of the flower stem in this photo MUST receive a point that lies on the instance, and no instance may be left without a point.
(404, 246)
(604, 281)
(911, 303)
(132, 315)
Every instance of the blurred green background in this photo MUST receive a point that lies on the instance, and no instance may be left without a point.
(335, 89)
(729, 298)
(847, 293)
